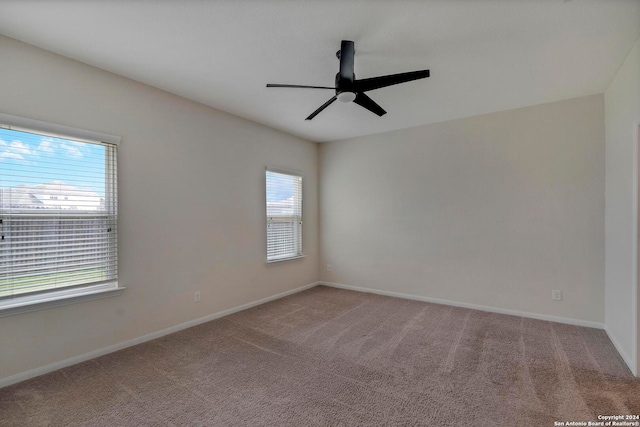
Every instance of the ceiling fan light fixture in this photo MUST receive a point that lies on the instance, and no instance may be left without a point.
(346, 96)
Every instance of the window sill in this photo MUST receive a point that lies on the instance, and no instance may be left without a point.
(27, 303)
(273, 261)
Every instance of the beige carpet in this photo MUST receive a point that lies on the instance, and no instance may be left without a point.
(331, 357)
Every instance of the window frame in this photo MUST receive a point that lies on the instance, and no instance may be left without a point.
(302, 180)
(63, 296)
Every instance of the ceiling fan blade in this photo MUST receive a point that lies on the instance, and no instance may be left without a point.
(300, 86)
(392, 79)
(347, 51)
(368, 103)
(325, 105)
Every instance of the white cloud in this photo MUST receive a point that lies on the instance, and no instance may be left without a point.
(15, 150)
(78, 144)
(10, 155)
(19, 148)
(47, 145)
(71, 149)
(68, 147)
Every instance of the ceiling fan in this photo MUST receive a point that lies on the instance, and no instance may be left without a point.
(349, 89)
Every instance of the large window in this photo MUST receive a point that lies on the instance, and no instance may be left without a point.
(58, 214)
(284, 216)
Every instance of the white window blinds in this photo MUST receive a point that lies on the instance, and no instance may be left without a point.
(284, 216)
(58, 213)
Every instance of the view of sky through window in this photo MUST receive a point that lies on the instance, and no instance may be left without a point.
(284, 188)
(31, 159)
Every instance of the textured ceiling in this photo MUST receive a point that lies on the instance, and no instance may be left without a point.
(483, 55)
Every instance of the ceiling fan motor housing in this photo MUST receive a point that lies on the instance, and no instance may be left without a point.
(344, 89)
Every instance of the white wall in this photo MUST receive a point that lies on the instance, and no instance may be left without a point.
(191, 182)
(622, 112)
(494, 210)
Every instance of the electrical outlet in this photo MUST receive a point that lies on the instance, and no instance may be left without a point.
(329, 268)
(556, 295)
(196, 297)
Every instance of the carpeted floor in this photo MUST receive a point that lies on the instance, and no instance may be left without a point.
(332, 357)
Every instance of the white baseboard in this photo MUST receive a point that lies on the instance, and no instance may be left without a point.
(567, 320)
(22, 376)
(625, 356)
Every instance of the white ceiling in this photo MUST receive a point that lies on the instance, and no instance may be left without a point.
(483, 55)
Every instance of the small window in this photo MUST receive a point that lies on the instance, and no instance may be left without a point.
(58, 214)
(284, 216)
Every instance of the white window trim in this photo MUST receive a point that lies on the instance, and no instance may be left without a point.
(273, 261)
(52, 299)
(286, 172)
(41, 301)
(8, 121)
